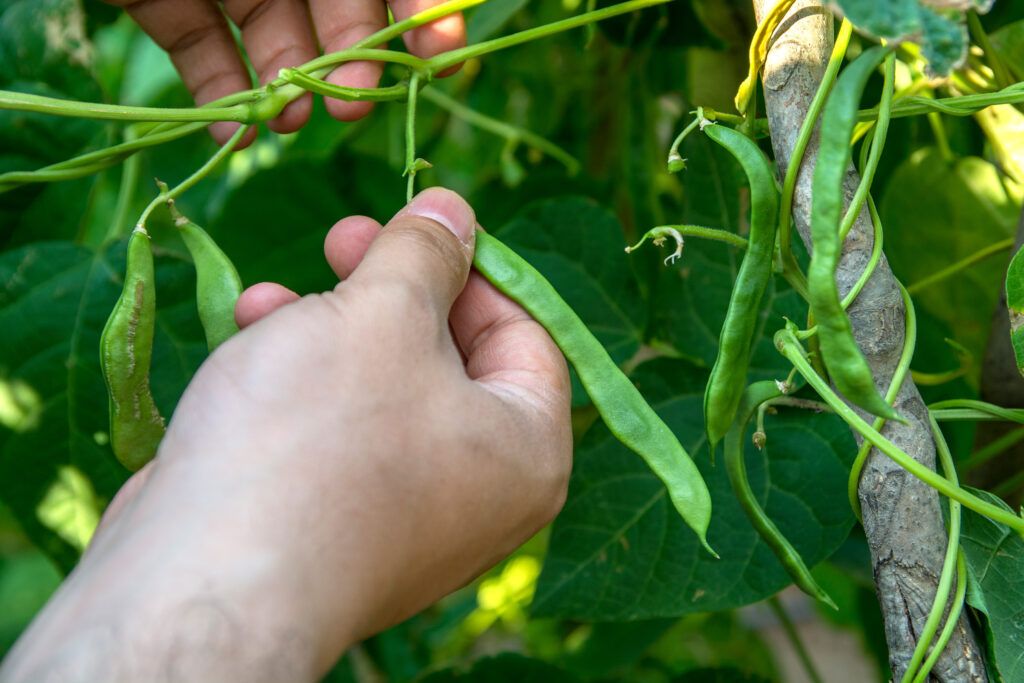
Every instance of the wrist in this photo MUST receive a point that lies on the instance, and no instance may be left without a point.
(181, 591)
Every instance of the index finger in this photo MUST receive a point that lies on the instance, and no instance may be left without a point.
(196, 36)
(447, 33)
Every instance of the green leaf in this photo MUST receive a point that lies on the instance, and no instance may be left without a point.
(501, 668)
(1009, 44)
(57, 474)
(273, 226)
(937, 213)
(619, 551)
(942, 33)
(676, 23)
(613, 646)
(578, 245)
(995, 556)
(44, 51)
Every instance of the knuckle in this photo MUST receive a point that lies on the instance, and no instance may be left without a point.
(409, 303)
(428, 237)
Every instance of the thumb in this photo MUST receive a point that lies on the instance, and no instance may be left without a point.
(427, 247)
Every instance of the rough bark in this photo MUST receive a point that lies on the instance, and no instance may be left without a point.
(901, 515)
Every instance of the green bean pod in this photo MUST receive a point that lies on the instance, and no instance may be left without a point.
(218, 285)
(729, 373)
(846, 364)
(736, 468)
(620, 404)
(126, 348)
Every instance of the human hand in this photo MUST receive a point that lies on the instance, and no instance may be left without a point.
(279, 34)
(346, 460)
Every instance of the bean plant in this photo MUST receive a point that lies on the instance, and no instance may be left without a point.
(723, 408)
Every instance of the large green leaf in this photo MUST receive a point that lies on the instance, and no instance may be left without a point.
(619, 551)
(937, 213)
(44, 51)
(942, 33)
(995, 558)
(56, 472)
(578, 246)
(1009, 44)
(273, 226)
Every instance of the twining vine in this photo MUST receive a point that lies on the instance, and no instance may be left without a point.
(823, 354)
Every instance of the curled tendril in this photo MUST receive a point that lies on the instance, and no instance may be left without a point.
(658, 236)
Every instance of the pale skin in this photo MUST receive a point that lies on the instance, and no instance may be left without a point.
(346, 460)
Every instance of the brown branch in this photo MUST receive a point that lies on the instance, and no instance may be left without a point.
(901, 515)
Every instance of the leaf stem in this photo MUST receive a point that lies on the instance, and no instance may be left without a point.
(120, 223)
(961, 105)
(895, 384)
(877, 145)
(341, 92)
(663, 231)
(200, 173)
(951, 622)
(500, 128)
(18, 101)
(410, 137)
(675, 160)
(873, 260)
(960, 409)
(448, 59)
(787, 344)
(963, 264)
(915, 671)
(95, 161)
(789, 264)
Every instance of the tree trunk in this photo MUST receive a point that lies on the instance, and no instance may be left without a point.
(901, 515)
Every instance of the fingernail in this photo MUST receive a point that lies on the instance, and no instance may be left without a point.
(445, 207)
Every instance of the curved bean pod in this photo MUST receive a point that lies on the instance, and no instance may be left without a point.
(218, 285)
(623, 408)
(846, 364)
(729, 373)
(735, 467)
(126, 348)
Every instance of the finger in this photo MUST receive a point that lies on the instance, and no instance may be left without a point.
(197, 38)
(277, 34)
(339, 25)
(347, 242)
(505, 347)
(426, 250)
(261, 300)
(447, 33)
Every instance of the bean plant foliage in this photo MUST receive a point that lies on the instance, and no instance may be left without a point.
(559, 137)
